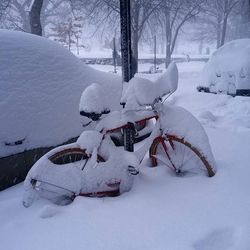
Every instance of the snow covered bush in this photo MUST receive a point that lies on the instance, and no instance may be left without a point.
(228, 70)
(40, 87)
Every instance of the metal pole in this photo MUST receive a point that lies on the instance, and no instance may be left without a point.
(114, 55)
(126, 40)
(155, 53)
(126, 53)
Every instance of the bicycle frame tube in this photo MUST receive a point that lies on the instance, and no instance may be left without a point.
(160, 139)
(126, 125)
(141, 152)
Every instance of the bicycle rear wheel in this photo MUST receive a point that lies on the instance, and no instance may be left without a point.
(180, 156)
(69, 157)
(74, 155)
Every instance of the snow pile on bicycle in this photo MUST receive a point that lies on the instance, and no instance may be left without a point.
(94, 166)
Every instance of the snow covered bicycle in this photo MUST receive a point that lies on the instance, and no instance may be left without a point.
(93, 166)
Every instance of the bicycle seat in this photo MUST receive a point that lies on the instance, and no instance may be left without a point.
(93, 115)
(93, 102)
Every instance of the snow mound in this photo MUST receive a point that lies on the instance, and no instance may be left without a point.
(178, 121)
(141, 91)
(40, 88)
(96, 99)
(229, 67)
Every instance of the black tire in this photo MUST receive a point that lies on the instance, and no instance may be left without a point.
(71, 155)
(180, 156)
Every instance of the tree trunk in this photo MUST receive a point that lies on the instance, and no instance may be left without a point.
(77, 45)
(135, 41)
(155, 50)
(26, 24)
(25, 20)
(35, 21)
(201, 47)
(224, 24)
(162, 43)
(135, 8)
(69, 35)
(218, 37)
(168, 37)
(223, 33)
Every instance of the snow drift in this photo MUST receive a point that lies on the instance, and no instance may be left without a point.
(40, 88)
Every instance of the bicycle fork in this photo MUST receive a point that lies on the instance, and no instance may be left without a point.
(162, 141)
(158, 137)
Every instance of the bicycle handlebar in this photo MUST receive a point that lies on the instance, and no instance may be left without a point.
(146, 107)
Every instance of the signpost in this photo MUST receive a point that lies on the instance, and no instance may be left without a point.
(114, 55)
(126, 52)
(155, 54)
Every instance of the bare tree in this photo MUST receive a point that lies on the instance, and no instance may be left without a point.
(175, 13)
(3, 6)
(17, 14)
(140, 14)
(107, 11)
(68, 32)
(214, 22)
(240, 21)
(16, 17)
(35, 17)
(226, 7)
(51, 11)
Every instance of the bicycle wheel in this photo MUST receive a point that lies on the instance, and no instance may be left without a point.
(180, 156)
(74, 155)
(69, 157)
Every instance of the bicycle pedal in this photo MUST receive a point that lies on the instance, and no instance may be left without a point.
(132, 170)
(113, 183)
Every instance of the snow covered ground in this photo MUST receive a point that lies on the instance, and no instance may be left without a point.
(161, 211)
(107, 53)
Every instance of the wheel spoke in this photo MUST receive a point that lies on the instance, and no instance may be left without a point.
(166, 159)
(163, 159)
(182, 156)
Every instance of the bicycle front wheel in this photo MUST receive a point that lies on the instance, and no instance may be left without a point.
(180, 156)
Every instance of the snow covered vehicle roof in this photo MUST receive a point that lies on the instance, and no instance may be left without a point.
(40, 89)
(228, 69)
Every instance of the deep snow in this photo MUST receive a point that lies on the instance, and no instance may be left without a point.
(161, 211)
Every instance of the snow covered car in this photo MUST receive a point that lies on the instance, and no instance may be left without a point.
(40, 87)
(228, 69)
